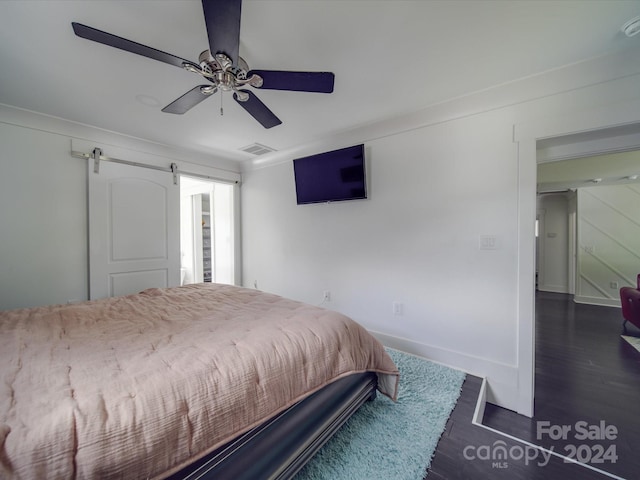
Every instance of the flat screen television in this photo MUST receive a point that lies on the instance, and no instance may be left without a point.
(331, 176)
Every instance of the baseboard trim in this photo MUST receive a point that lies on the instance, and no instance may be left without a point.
(502, 379)
(602, 302)
(554, 288)
(481, 403)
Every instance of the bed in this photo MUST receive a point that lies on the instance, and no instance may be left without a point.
(198, 381)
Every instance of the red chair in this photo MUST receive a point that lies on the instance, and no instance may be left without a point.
(630, 299)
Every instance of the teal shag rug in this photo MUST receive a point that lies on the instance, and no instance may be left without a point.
(387, 440)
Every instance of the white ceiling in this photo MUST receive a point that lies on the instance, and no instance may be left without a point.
(390, 58)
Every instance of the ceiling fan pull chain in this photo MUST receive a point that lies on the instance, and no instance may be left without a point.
(221, 110)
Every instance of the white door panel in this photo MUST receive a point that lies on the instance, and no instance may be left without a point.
(148, 216)
(133, 230)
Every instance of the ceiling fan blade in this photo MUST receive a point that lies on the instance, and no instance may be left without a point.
(105, 38)
(187, 101)
(258, 110)
(222, 18)
(320, 82)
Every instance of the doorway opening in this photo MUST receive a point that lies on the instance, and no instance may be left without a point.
(206, 231)
(588, 245)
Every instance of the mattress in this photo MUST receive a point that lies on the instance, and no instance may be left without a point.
(142, 385)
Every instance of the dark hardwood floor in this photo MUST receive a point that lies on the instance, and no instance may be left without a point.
(587, 383)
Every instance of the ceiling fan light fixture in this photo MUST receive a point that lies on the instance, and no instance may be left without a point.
(632, 27)
(255, 81)
(192, 67)
(241, 96)
(208, 89)
(223, 61)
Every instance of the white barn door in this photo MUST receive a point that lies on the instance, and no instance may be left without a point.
(134, 230)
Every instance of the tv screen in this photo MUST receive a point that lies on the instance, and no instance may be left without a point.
(331, 176)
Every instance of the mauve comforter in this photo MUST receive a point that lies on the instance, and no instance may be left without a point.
(141, 385)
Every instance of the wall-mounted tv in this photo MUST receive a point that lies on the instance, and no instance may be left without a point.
(331, 176)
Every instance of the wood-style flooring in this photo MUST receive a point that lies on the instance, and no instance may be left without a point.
(587, 395)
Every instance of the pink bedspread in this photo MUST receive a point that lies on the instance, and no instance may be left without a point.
(139, 386)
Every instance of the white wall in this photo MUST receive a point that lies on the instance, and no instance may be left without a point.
(43, 218)
(43, 197)
(608, 242)
(439, 180)
(433, 193)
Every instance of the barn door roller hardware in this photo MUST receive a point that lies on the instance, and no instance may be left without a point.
(97, 156)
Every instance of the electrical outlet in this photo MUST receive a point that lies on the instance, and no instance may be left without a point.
(327, 296)
(398, 309)
(613, 285)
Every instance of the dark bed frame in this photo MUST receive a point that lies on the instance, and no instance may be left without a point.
(280, 447)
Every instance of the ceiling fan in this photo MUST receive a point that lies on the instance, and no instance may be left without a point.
(221, 65)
